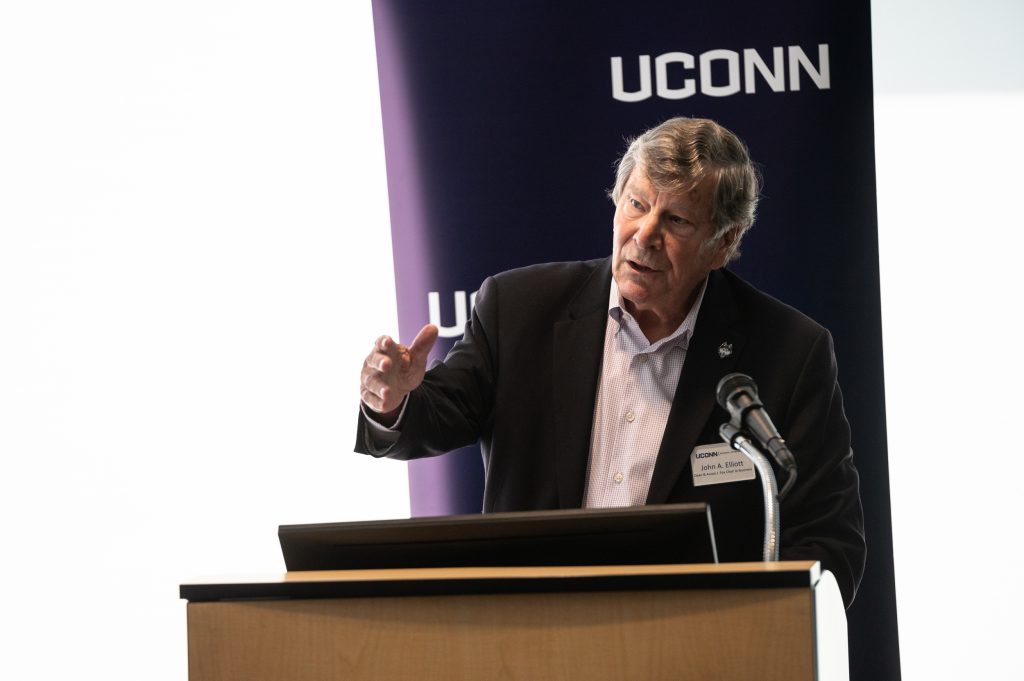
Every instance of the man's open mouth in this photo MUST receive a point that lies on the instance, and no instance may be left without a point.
(640, 268)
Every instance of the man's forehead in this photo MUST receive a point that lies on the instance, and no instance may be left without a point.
(689, 196)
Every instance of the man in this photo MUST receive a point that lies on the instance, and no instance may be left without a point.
(593, 383)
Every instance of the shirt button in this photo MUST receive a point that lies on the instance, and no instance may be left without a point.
(618, 477)
(630, 416)
(641, 358)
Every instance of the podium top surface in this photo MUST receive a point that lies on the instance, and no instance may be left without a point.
(492, 580)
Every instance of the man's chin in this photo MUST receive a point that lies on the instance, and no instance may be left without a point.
(633, 292)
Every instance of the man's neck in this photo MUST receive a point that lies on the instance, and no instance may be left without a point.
(658, 324)
(654, 327)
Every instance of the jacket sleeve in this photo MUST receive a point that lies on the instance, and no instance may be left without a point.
(822, 517)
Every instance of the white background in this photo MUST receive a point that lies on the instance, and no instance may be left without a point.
(195, 256)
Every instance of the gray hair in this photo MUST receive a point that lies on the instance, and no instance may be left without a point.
(680, 153)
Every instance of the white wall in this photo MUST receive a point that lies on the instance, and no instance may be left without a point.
(188, 229)
(192, 210)
(949, 102)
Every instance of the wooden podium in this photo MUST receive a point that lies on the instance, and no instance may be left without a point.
(628, 623)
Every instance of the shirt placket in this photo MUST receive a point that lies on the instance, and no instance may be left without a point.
(619, 481)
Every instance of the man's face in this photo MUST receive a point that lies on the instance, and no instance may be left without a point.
(657, 259)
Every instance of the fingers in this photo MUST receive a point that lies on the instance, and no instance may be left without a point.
(376, 376)
(423, 342)
(378, 361)
(387, 353)
(391, 369)
(377, 394)
(374, 382)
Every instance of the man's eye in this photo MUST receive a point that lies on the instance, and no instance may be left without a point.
(681, 226)
(636, 204)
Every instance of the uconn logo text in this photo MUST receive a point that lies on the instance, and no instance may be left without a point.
(718, 73)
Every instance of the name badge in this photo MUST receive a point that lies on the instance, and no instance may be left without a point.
(717, 464)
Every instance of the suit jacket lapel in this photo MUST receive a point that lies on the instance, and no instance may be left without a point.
(717, 341)
(578, 351)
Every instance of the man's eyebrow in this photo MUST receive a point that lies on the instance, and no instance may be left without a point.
(633, 190)
(683, 211)
(691, 216)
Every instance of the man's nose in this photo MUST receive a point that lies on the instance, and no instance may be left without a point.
(648, 232)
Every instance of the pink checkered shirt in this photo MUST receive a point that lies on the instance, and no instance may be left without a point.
(634, 396)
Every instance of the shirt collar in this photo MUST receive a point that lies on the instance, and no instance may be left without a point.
(680, 337)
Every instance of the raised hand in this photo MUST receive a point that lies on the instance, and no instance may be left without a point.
(391, 371)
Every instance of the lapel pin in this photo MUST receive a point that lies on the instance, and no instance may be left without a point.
(724, 350)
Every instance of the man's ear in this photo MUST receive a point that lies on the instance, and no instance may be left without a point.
(724, 248)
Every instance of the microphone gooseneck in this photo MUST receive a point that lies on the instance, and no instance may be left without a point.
(737, 394)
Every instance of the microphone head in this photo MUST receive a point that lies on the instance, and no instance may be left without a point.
(730, 385)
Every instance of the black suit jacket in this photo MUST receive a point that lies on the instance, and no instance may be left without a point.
(523, 381)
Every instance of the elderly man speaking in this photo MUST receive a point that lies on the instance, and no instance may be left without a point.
(592, 384)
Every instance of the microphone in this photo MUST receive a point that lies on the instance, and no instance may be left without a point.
(737, 394)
